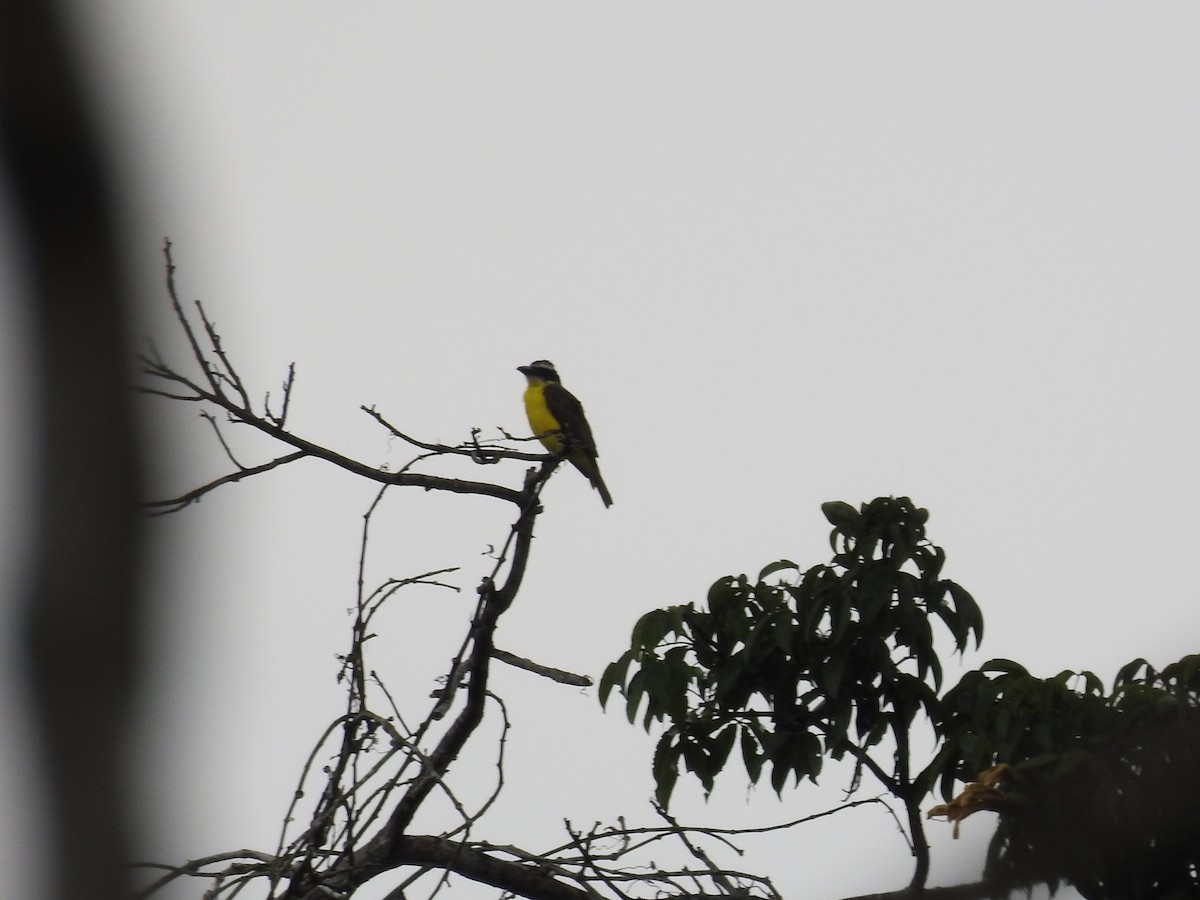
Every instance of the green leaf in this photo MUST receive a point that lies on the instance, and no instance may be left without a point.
(651, 629)
(824, 592)
(752, 758)
(665, 769)
(722, 744)
(698, 762)
(837, 725)
(865, 717)
(731, 685)
(772, 743)
(668, 683)
(915, 633)
(614, 674)
(1004, 667)
(832, 672)
(1129, 672)
(930, 560)
(724, 591)
(633, 695)
(935, 667)
(780, 565)
(841, 611)
(843, 517)
(779, 775)
(914, 694)
(877, 732)
(969, 615)
(759, 643)
(782, 630)
(806, 756)
(1065, 677)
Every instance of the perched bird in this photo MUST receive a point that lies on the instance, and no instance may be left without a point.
(557, 419)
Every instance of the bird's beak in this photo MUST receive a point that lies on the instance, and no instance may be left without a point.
(524, 370)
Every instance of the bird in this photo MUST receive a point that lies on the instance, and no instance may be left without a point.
(557, 420)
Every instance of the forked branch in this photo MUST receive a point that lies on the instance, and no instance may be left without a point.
(220, 385)
(374, 769)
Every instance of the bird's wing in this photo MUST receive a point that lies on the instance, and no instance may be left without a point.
(569, 413)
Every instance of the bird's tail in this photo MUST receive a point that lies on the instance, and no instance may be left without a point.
(588, 466)
(598, 484)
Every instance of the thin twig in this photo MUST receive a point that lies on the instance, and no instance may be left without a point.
(163, 507)
(560, 675)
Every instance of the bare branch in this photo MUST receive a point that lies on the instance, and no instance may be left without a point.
(280, 420)
(212, 421)
(559, 675)
(236, 862)
(980, 890)
(162, 507)
(197, 353)
(719, 878)
(220, 372)
(489, 453)
(229, 374)
(524, 879)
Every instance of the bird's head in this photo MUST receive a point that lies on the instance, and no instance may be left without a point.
(539, 370)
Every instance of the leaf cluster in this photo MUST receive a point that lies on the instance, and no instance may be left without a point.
(797, 666)
(1104, 785)
(1094, 787)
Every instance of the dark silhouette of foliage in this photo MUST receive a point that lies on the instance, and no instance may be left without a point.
(1101, 789)
(1093, 789)
(79, 610)
(827, 664)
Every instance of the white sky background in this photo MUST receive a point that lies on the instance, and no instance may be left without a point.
(784, 253)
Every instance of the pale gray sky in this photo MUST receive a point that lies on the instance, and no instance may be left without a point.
(785, 253)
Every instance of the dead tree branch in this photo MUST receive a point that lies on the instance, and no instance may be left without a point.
(371, 773)
(221, 386)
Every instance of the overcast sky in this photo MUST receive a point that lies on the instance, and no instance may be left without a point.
(784, 253)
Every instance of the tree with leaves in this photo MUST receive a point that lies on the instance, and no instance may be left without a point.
(1093, 789)
(840, 661)
(828, 664)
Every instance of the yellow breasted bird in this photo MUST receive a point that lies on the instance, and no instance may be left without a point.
(557, 420)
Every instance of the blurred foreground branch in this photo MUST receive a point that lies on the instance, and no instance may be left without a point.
(82, 609)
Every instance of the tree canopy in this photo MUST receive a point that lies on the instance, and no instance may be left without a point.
(1094, 788)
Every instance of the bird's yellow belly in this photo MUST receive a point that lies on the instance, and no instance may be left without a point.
(544, 425)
